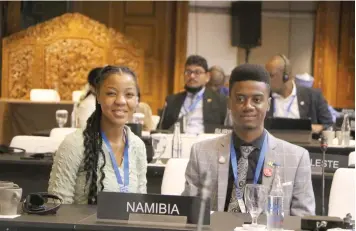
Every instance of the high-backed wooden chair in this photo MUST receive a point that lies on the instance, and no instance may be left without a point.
(59, 53)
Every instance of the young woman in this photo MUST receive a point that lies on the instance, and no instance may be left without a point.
(106, 156)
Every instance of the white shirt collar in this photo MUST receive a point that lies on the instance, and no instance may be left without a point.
(294, 92)
(196, 94)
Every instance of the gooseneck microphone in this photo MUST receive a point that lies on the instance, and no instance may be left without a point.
(323, 147)
(205, 194)
(159, 127)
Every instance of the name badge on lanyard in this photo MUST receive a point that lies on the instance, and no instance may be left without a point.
(194, 104)
(233, 160)
(123, 185)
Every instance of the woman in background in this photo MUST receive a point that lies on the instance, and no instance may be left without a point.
(86, 105)
(106, 156)
(146, 110)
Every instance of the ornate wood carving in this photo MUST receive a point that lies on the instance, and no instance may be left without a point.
(60, 52)
(20, 69)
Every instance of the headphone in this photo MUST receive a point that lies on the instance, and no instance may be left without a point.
(11, 150)
(285, 75)
(35, 204)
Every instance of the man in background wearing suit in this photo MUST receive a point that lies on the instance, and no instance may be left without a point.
(197, 106)
(251, 151)
(291, 101)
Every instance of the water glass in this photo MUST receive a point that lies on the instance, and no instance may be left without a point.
(159, 144)
(61, 117)
(255, 199)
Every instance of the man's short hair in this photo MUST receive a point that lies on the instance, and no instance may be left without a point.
(247, 72)
(198, 61)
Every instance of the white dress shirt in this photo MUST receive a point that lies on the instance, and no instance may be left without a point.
(286, 107)
(194, 121)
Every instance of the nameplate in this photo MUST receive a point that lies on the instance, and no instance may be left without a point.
(332, 161)
(222, 131)
(122, 206)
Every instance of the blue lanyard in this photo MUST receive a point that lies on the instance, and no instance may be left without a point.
(114, 163)
(288, 108)
(195, 103)
(259, 164)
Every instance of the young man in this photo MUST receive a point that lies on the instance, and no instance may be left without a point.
(197, 106)
(250, 151)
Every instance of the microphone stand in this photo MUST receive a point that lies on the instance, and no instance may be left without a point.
(323, 147)
(205, 196)
(159, 127)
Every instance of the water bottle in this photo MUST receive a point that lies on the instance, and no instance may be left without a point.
(275, 212)
(176, 142)
(345, 130)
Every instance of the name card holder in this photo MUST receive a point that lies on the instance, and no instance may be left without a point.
(151, 209)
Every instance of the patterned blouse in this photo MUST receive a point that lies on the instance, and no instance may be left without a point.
(68, 178)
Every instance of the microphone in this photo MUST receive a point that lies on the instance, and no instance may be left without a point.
(162, 117)
(323, 147)
(205, 194)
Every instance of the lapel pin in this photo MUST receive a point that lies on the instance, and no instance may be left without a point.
(302, 103)
(209, 100)
(267, 172)
(270, 163)
(222, 160)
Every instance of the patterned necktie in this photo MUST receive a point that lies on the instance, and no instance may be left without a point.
(242, 167)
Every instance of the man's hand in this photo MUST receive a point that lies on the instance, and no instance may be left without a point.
(317, 128)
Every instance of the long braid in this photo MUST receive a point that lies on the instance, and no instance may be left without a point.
(93, 140)
(93, 146)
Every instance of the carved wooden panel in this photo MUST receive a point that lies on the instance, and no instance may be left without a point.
(60, 52)
(160, 27)
(20, 69)
(77, 55)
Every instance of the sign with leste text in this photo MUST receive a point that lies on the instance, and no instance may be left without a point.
(332, 161)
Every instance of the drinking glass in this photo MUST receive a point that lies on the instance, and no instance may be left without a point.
(61, 117)
(255, 199)
(159, 144)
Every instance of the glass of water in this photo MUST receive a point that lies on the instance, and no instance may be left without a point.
(159, 143)
(255, 199)
(61, 117)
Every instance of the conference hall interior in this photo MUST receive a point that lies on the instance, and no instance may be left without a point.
(162, 99)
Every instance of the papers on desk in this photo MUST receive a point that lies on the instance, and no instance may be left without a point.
(9, 216)
(248, 227)
(156, 165)
(145, 134)
(339, 229)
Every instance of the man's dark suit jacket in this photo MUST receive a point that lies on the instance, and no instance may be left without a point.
(214, 108)
(311, 104)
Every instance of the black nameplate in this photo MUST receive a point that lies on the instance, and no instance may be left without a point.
(332, 161)
(119, 206)
(320, 222)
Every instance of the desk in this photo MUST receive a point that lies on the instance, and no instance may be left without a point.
(33, 176)
(23, 117)
(83, 217)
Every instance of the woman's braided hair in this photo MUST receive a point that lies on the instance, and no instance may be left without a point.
(93, 139)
